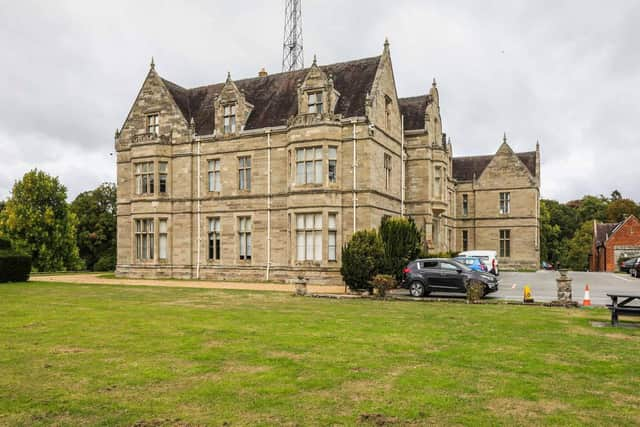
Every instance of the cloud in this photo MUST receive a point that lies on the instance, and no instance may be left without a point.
(565, 73)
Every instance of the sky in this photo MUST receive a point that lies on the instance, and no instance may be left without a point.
(564, 73)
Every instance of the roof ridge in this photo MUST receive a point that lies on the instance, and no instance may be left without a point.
(246, 79)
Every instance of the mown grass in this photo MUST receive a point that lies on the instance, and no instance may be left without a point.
(108, 355)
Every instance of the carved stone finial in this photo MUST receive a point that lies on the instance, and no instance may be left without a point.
(434, 82)
(315, 60)
(504, 138)
(386, 42)
(228, 76)
(153, 64)
(117, 133)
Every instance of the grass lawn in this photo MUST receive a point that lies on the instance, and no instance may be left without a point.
(109, 355)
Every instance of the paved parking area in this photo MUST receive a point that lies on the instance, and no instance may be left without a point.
(543, 286)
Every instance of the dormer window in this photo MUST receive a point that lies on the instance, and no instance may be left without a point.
(315, 102)
(230, 118)
(153, 124)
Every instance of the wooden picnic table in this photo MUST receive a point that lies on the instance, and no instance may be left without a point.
(623, 307)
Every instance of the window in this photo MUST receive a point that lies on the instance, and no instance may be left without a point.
(309, 237)
(144, 239)
(163, 169)
(333, 156)
(153, 124)
(230, 118)
(505, 243)
(387, 171)
(244, 173)
(162, 238)
(437, 182)
(214, 239)
(244, 234)
(309, 165)
(144, 178)
(465, 205)
(387, 112)
(214, 175)
(315, 102)
(465, 240)
(505, 203)
(447, 266)
(332, 237)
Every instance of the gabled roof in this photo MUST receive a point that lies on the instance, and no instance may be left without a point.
(413, 109)
(274, 97)
(605, 231)
(465, 167)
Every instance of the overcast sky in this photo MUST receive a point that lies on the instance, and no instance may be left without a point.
(564, 73)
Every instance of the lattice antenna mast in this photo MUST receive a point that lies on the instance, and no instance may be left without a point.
(292, 54)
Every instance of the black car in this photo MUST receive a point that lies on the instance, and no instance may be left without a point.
(625, 266)
(424, 276)
(635, 269)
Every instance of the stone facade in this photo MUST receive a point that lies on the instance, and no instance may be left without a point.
(267, 178)
(611, 241)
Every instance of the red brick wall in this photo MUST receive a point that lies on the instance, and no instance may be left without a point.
(627, 235)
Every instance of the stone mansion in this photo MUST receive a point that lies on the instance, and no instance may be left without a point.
(267, 178)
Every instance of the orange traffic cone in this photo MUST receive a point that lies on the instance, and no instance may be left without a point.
(587, 297)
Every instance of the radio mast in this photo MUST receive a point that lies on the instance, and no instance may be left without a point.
(292, 54)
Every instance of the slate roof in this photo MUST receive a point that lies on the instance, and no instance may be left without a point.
(274, 97)
(413, 110)
(465, 167)
(603, 231)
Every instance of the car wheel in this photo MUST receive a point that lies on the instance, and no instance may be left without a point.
(416, 289)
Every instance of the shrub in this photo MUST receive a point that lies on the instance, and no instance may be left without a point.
(401, 240)
(14, 267)
(107, 262)
(382, 283)
(361, 259)
(475, 291)
(439, 255)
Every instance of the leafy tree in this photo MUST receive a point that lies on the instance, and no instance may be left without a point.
(619, 209)
(96, 212)
(2, 205)
(591, 207)
(563, 216)
(402, 243)
(615, 195)
(38, 221)
(362, 259)
(550, 241)
(576, 256)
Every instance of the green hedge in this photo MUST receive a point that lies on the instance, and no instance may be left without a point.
(14, 267)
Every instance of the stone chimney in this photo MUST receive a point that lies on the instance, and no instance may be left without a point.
(263, 73)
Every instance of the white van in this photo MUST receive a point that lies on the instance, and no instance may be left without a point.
(490, 258)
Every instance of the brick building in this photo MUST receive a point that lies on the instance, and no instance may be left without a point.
(268, 177)
(612, 241)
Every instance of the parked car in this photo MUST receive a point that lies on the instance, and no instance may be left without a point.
(424, 276)
(625, 266)
(635, 269)
(547, 265)
(489, 257)
(474, 263)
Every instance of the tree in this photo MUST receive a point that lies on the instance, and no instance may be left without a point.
(402, 243)
(550, 241)
(616, 195)
(97, 230)
(38, 221)
(362, 259)
(578, 248)
(619, 209)
(563, 216)
(591, 207)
